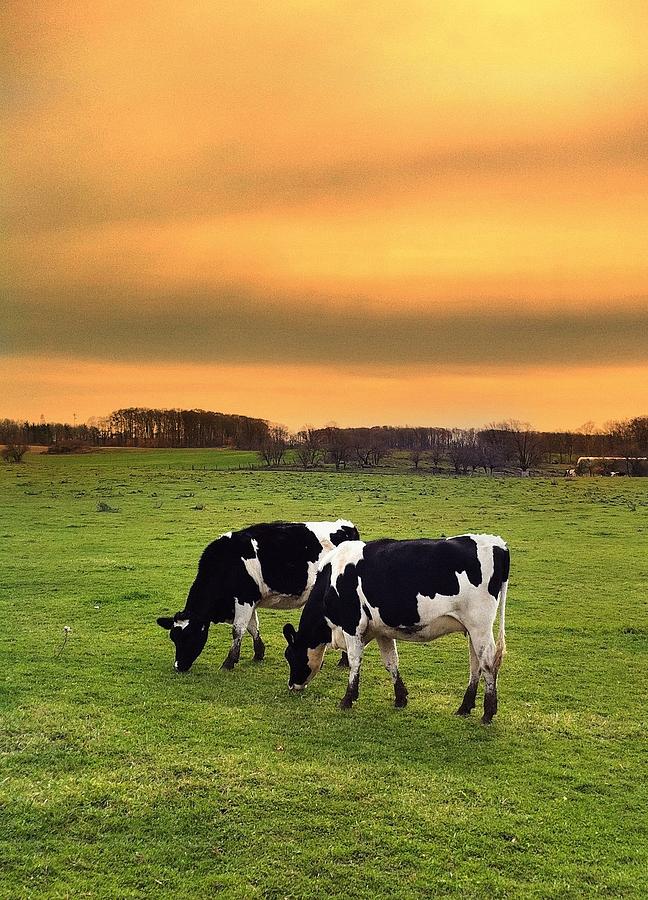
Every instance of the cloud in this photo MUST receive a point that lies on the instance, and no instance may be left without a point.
(234, 327)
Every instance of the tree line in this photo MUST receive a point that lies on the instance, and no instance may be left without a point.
(491, 448)
(510, 443)
(143, 427)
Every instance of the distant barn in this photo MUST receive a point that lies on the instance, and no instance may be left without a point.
(612, 465)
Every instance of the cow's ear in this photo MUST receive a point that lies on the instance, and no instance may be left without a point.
(289, 633)
(165, 622)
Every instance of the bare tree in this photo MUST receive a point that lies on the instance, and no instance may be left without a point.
(274, 445)
(338, 445)
(309, 447)
(492, 448)
(416, 455)
(439, 440)
(462, 451)
(525, 443)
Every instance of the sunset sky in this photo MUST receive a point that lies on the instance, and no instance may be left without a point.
(428, 213)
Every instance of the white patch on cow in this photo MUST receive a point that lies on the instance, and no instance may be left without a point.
(227, 534)
(348, 553)
(181, 623)
(324, 530)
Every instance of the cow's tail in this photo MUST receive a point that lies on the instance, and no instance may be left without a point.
(500, 644)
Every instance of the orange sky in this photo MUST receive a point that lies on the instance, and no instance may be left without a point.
(415, 212)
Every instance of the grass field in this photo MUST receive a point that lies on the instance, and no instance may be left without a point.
(122, 779)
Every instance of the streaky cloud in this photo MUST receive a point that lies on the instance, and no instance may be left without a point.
(237, 327)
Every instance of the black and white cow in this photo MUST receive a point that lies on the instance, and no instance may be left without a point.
(271, 565)
(413, 590)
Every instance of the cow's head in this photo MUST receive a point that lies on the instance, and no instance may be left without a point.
(304, 661)
(189, 635)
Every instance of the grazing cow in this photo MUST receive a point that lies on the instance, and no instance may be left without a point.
(413, 590)
(264, 565)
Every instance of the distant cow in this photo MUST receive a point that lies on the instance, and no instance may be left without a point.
(413, 590)
(264, 565)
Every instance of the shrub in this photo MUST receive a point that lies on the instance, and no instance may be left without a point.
(14, 452)
(69, 446)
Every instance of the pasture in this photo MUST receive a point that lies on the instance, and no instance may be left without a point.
(122, 779)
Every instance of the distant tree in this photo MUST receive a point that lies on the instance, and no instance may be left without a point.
(379, 445)
(493, 448)
(274, 445)
(309, 448)
(587, 430)
(639, 428)
(337, 443)
(439, 439)
(416, 455)
(462, 451)
(525, 443)
(14, 452)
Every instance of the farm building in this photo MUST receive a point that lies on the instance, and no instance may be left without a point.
(612, 465)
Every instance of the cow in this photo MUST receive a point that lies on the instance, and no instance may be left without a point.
(416, 590)
(269, 565)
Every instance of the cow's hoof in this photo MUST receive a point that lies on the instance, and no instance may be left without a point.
(228, 664)
(487, 720)
(346, 703)
(400, 702)
(259, 654)
(463, 712)
(344, 662)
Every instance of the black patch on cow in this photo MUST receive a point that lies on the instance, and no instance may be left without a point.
(351, 694)
(221, 577)
(346, 533)
(341, 603)
(501, 566)
(367, 611)
(393, 573)
(490, 706)
(468, 702)
(284, 551)
(313, 630)
(400, 692)
(189, 642)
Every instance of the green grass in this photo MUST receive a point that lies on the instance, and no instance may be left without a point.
(121, 779)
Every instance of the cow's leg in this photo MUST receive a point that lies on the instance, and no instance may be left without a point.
(354, 652)
(484, 645)
(242, 614)
(389, 655)
(253, 628)
(468, 702)
(344, 661)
